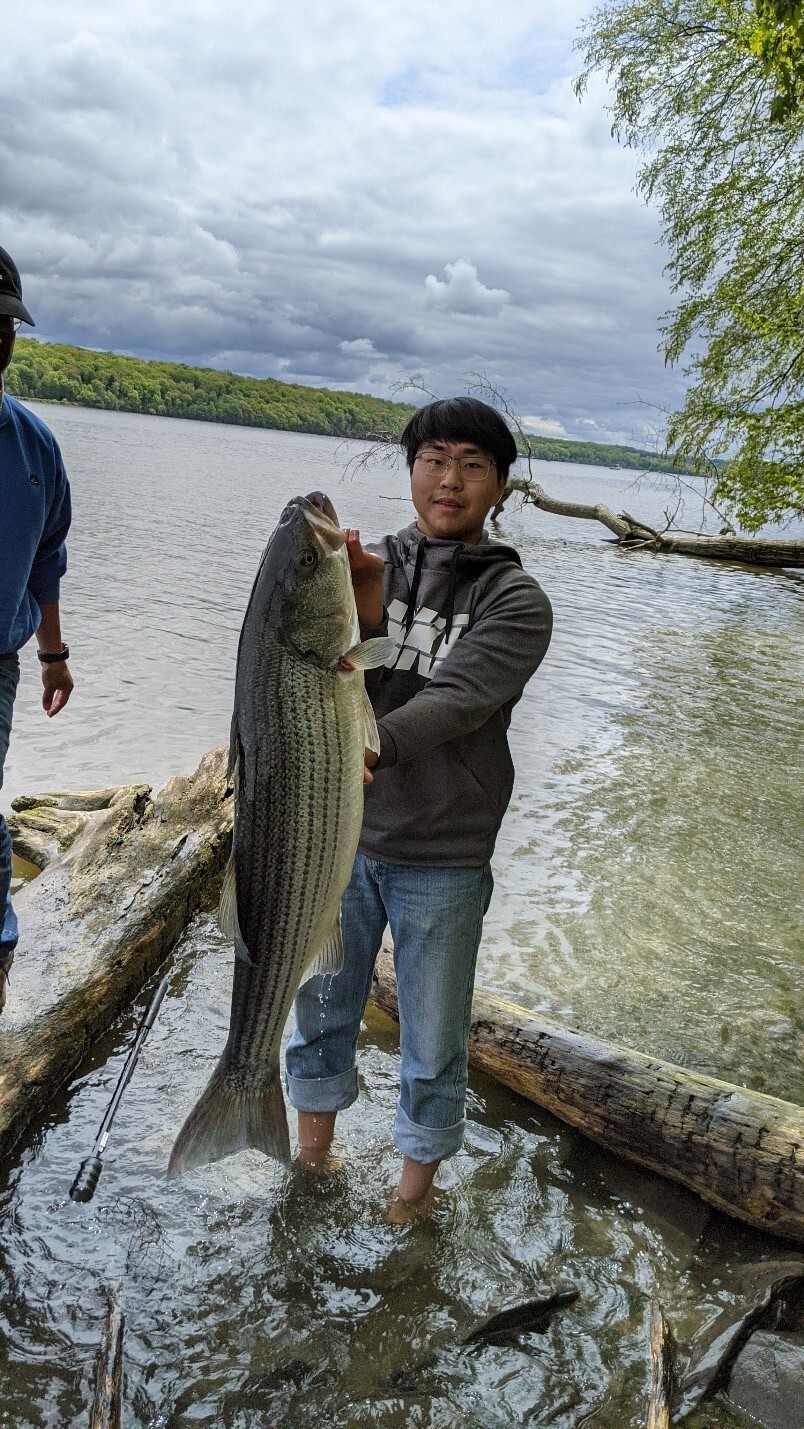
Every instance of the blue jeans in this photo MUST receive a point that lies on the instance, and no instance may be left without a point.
(436, 920)
(9, 677)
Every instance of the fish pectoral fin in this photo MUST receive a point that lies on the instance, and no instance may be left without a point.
(370, 654)
(227, 908)
(242, 953)
(371, 734)
(228, 921)
(329, 960)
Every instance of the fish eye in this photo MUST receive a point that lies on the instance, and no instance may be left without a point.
(307, 557)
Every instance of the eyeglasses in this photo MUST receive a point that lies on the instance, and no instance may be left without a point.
(437, 464)
(16, 323)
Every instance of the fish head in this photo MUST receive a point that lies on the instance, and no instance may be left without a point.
(317, 613)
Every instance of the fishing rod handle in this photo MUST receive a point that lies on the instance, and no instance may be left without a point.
(83, 1187)
(155, 1004)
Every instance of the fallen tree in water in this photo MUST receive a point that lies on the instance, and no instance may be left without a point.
(123, 874)
(742, 1152)
(636, 535)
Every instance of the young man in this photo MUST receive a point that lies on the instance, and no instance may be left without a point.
(471, 627)
(34, 520)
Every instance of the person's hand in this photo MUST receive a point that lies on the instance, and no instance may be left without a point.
(367, 573)
(57, 686)
(369, 760)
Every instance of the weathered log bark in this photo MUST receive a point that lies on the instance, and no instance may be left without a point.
(740, 1151)
(661, 1369)
(100, 918)
(634, 534)
(106, 1402)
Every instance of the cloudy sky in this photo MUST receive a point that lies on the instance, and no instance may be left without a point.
(340, 194)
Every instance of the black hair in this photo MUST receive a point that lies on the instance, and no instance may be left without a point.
(461, 419)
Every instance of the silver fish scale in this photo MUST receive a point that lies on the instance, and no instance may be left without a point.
(294, 843)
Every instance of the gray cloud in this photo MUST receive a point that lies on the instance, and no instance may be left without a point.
(340, 195)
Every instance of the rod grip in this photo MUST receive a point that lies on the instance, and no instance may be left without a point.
(83, 1187)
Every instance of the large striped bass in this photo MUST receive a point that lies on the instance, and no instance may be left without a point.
(300, 725)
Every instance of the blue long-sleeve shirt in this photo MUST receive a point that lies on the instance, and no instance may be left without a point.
(34, 520)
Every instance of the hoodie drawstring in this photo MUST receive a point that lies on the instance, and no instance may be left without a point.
(410, 613)
(453, 581)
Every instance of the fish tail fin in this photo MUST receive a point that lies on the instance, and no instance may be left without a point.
(228, 1118)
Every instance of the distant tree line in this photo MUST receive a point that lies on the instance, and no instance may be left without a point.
(52, 372)
(81, 377)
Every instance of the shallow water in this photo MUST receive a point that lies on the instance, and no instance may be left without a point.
(253, 1298)
(648, 889)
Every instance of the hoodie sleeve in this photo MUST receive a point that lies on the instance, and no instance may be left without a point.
(486, 669)
(50, 561)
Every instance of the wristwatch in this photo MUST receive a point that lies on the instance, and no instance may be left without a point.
(54, 659)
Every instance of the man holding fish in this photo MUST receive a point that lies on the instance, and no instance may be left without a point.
(469, 628)
(394, 668)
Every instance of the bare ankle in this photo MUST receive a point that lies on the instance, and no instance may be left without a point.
(316, 1131)
(416, 1180)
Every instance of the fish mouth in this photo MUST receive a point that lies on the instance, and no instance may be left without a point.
(321, 515)
(322, 503)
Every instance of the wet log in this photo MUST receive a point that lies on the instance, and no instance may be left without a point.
(661, 1369)
(742, 1152)
(124, 871)
(106, 1401)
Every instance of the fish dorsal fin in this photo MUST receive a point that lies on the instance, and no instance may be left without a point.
(329, 960)
(371, 735)
(370, 654)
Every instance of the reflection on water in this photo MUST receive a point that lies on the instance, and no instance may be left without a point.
(648, 889)
(669, 908)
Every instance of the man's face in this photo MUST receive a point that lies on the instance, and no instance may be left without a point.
(454, 486)
(8, 332)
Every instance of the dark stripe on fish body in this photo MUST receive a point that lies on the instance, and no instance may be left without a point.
(301, 836)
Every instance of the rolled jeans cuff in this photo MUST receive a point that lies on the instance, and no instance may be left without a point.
(322, 1093)
(426, 1143)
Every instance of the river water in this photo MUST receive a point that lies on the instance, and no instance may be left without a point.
(648, 889)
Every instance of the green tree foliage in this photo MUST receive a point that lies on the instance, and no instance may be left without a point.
(778, 42)
(56, 373)
(694, 88)
(52, 372)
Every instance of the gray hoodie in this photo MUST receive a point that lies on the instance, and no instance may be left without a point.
(471, 627)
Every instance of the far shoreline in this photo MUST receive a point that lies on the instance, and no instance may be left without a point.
(68, 376)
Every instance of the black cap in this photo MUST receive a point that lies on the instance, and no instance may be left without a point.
(11, 304)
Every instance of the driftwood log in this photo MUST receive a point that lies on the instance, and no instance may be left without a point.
(661, 1369)
(106, 1401)
(636, 535)
(739, 1150)
(128, 873)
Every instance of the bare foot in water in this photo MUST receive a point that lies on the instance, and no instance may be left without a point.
(401, 1213)
(319, 1163)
